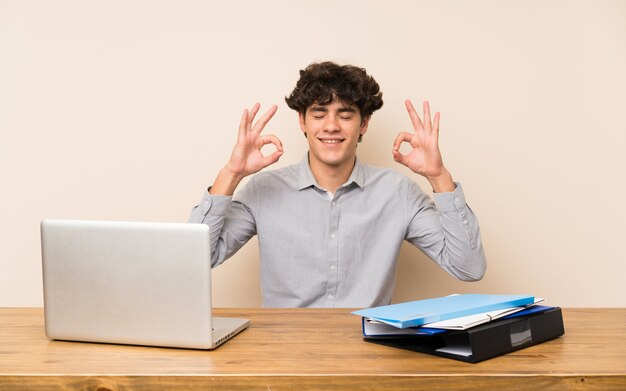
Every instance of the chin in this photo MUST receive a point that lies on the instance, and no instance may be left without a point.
(337, 161)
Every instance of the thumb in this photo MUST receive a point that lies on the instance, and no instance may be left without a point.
(273, 158)
(399, 157)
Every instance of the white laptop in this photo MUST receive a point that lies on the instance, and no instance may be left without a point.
(131, 283)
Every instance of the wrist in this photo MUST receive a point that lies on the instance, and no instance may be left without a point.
(226, 182)
(442, 183)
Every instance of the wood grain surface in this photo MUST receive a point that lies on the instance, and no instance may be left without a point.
(302, 349)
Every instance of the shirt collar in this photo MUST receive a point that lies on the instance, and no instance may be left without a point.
(306, 178)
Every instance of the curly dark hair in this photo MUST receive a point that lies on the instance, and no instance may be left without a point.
(325, 81)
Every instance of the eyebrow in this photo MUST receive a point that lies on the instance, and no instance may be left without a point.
(346, 110)
(324, 109)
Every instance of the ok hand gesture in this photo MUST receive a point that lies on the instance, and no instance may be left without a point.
(425, 157)
(247, 158)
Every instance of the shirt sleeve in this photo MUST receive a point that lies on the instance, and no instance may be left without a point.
(231, 224)
(447, 231)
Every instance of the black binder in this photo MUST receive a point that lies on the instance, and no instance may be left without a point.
(485, 341)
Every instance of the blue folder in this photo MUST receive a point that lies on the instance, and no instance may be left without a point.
(417, 313)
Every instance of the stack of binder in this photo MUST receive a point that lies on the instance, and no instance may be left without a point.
(469, 327)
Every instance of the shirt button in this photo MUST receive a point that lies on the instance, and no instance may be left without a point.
(332, 267)
(332, 236)
(465, 222)
(456, 199)
(330, 297)
(334, 203)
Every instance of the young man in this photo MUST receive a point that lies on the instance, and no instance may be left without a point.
(330, 228)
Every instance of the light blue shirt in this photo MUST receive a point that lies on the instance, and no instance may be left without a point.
(340, 251)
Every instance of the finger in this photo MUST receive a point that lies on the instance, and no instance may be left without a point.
(427, 123)
(243, 123)
(436, 124)
(260, 124)
(400, 138)
(415, 118)
(272, 158)
(253, 111)
(271, 139)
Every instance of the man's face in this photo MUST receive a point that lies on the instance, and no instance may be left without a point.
(333, 131)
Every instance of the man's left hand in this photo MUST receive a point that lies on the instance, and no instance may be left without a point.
(425, 157)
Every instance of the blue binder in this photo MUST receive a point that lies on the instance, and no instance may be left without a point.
(417, 313)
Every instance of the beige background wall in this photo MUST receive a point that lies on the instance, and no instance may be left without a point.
(126, 110)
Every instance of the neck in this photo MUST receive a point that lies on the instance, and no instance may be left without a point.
(331, 178)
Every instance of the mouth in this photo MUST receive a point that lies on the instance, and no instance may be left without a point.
(331, 141)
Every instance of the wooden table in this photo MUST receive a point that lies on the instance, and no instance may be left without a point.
(301, 349)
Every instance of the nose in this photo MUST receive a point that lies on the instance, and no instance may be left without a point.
(331, 124)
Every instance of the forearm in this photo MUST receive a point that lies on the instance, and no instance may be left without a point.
(448, 233)
(225, 183)
(211, 212)
(442, 183)
(462, 253)
(230, 225)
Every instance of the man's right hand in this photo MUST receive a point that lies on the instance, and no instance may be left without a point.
(246, 158)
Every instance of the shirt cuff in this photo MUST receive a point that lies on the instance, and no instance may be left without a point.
(216, 205)
(450, 201)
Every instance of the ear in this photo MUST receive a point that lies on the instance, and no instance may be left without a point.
(364, 124)
(302, 124)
